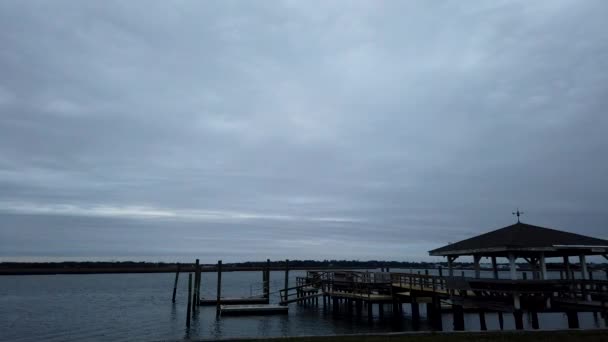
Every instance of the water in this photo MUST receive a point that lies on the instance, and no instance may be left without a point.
(127, 307)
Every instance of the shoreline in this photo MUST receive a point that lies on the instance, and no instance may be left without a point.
(151, 269)
(587, 335)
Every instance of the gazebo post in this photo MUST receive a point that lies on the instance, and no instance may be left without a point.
(450, 266)
(567, 264)
(494, 267)
(583, 262)
(512, 266)
(584, 274)
(517, 315)
(476, 259)
(495, 271)
(543, 266)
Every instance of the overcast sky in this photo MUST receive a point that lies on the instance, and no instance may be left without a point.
(165, 130)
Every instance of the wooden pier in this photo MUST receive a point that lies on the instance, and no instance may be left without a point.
(357, 293)
(350, 291)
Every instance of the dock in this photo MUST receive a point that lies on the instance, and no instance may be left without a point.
(234, 301)
(259, 309)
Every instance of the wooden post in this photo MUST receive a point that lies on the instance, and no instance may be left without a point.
(476, 259)
(189, 306)
(567, 264)
(266, 279)
(543, 267)
(451, 266)
(458, 317)
(482, 320)
(534, 317)
(501, 321)
(440, 271)
(415, 313)
(495, 272)
(286, 277)
(494, 267)
(196, 286)
(519, 319)
(200, 281)
(370, 314)
(513, 269)
(583, 262)
(437, 319)
(175, 283)
(572, 319)
(219, 288)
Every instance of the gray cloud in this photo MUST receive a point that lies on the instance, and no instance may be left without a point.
(296, 129)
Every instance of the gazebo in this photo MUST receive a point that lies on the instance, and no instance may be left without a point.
(534, 244)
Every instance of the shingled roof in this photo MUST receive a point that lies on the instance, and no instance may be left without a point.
(522, 238)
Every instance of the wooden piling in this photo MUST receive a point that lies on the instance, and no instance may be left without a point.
(501, 321)
(189, 307)
(266, 277)
(175, 283)
(572, 319)
(415, 314)
(219, 288)
(518, 315)
(370, 313)
(196, 298)
(534, 319)
(437, 318)
(482, 320)
(458, 313)
(198, 284)
(286, 277)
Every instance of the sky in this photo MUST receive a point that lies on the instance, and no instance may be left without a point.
(246, 130)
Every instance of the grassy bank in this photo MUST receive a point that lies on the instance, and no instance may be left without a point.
(502, 336)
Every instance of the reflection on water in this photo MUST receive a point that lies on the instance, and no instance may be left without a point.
(131, 307)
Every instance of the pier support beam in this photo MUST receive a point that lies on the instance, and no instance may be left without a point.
(518, 315)
(219, 288)
(189, 306)
(543, 266)
(572, 319)
(415, 314)
(476, 259)
(287, 278)
(458, 313)
(195, 299)
(482, 320)
(534, 319)
(501, 320)
(513, 272)
(175, 283)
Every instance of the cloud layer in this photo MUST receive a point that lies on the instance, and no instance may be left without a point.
(296, 129)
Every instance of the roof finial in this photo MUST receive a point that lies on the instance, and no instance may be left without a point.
(518, 214)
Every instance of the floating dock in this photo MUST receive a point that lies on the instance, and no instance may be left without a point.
(234, 301)
(258, 309)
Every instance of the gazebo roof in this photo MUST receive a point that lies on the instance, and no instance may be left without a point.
(522, 239)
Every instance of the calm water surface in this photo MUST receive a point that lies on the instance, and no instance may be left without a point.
(138, 307)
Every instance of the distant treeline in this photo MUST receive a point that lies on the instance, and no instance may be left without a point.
(296, 264)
